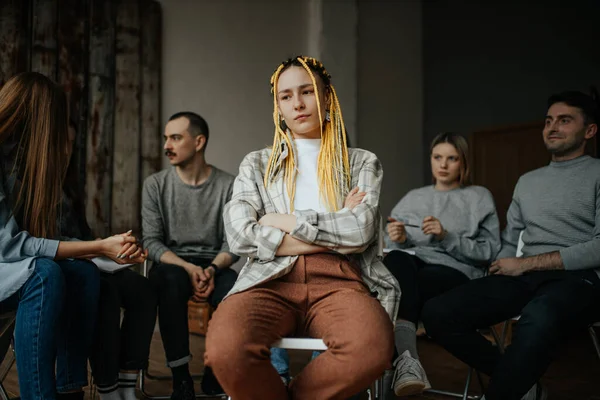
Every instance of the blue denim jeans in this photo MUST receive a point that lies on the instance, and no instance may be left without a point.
(280, 359)
(56, 312)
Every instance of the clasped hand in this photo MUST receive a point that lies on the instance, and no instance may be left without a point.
(124, 248)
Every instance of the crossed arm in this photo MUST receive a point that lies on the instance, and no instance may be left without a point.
(290, 246)
(306, 231)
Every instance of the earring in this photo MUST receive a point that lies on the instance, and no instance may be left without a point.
(327, 116)
(282, 124)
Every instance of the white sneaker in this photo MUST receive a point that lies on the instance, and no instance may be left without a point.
(409, 377)
(537, 392)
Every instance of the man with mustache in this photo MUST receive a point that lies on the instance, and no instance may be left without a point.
(555, 285)
(182, 221)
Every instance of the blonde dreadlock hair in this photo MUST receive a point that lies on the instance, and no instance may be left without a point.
(333, 164)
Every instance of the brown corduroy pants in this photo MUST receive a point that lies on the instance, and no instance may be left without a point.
(322, 297)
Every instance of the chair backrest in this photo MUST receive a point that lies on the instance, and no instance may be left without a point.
(520, 245)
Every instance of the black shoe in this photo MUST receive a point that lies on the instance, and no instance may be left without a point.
(185, 391)
(210, 385)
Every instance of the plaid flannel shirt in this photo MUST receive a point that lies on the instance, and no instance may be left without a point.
(356, 233)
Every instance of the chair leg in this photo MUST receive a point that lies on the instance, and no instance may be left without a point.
(11, 357)
(143, 376)
(480, 380)
(375, 392)
(3, 394)
(499, 339)
(595, 341)
(465, 395)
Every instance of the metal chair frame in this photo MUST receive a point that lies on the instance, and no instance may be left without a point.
(6, 328)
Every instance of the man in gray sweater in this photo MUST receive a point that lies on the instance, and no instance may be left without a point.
(555, 285)
(182, 222)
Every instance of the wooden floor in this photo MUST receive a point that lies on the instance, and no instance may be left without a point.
(575, 375)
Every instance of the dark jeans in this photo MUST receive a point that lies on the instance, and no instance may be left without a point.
(123, 345)
(174, 289)
(420, 282)
(552, 304)
(56, 312)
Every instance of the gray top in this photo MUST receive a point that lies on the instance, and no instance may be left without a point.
(188, 220)
(558, 209)
(18, 249)
(469, 216)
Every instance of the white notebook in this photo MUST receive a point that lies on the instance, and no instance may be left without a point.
(387, 250)
(107, 265)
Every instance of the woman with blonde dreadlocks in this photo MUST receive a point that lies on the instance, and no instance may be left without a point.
(312, 248)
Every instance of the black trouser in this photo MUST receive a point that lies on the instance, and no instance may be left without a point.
(553, 305)
(174, 289)
(419, 282)
(122, 346)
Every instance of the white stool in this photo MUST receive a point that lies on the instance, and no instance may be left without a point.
(376, 390)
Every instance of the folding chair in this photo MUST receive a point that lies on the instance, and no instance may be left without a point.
(144, 374)
(7, 325)
(375, 391)
(594, 337)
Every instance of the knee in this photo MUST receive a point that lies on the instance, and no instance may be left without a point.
(538, 326)
(49, 274)
(397, 259)
(368, 350)
(109, 295)
(228, 346)
(144, 292)
(223, 349)
(434, 316)
(402, 266)
(170, 281)
(88, 276)
(378, 348)
(227, 278)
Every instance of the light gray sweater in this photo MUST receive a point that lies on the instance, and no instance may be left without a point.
(469, 216)
(558, 209)
(188, 220)
(18, 249)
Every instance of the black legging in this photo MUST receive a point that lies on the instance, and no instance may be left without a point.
(420, 282)
(123, 345)
(173, 287)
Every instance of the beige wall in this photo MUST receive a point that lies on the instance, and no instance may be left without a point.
(218, 57)
(390, 92)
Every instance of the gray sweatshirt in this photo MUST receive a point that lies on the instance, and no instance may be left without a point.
(469, 216)
(558, 209)
(18, 249)
(188, 220)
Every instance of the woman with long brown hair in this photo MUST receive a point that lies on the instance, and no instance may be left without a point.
(53, 289)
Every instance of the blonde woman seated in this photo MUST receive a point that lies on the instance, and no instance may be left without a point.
(443, 235)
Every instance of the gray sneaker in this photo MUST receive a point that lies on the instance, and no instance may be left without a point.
(537, 392)
(409, 377)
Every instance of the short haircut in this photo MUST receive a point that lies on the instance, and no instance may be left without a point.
(586, 103)
(198, 125)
